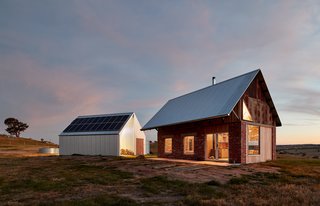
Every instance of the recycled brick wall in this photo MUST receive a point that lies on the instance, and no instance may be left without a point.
(235, 142)
(198, 130)
(177, 144)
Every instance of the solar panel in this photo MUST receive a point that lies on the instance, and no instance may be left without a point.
(97, 124)
(118, 126)
(105, 119)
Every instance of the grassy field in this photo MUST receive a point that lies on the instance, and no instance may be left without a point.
(80, 180)
(27, 178)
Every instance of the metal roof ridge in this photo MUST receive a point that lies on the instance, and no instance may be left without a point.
(89, 133)
(104, 115)
(257, 70)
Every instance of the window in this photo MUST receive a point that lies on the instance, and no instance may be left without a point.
(245, 112)
(188, 144)
(253, 136)
(168, 145)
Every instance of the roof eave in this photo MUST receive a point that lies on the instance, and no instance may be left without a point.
(177, 123)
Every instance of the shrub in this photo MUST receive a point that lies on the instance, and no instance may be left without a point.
(126, 152)
(141, 157)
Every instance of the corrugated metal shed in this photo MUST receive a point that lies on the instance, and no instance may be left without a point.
(107, 134)
(214, 101)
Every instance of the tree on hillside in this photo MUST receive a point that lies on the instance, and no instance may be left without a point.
(15, 127)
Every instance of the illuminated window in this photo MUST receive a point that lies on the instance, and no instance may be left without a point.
(188, 144)
(245, 112)
(168, 145)
(253, 136)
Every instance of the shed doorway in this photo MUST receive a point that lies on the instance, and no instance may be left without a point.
(217, 146)
(139, 146)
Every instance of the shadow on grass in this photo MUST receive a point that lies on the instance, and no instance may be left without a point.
(108, 200)
(193, 193)
(63, 179)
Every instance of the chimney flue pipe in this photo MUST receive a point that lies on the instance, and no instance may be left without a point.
(213, 80)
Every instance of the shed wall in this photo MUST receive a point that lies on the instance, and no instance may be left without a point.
(127, 140)
(140, 135)
(129, 135)
(89, 145)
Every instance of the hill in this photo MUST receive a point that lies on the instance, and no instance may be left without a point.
(303, 150)
(12, 146)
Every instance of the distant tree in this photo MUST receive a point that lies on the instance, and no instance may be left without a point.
(41, 139)
(15, 127)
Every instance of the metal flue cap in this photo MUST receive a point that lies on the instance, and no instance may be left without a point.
(213, 80)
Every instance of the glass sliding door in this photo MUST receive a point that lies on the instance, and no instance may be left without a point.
(217, 146)
(210, 149)
(222, 145)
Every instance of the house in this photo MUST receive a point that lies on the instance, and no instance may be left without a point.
(107, 134)
(234, 121)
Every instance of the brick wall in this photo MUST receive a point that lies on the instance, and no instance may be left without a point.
(234, 142)
(197, 129)
(237, 143)
(237, 140)
(177, 145)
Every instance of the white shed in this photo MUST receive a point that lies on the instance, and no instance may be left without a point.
(107, 134)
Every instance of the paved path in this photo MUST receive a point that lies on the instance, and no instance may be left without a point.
(194, 162)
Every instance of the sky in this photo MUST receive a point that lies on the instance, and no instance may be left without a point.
(61, 59)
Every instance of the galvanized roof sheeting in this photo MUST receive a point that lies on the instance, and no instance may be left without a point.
(213, 101)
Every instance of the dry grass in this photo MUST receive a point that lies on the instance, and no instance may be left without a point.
(297, 183)
(21, 147)
(6, 140)
(81, 180)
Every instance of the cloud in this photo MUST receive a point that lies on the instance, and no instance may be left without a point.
(62, 59)
(45, 96)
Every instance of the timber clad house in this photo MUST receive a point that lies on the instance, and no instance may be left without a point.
(234, 121)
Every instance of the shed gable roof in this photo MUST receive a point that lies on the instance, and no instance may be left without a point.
(105, 124)
(210, 102)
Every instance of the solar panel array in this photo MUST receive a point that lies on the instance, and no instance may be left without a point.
(97, 124)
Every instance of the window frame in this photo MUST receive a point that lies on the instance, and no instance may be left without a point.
(186, 151)
(245, 106)
(259, 140)
(165, 151)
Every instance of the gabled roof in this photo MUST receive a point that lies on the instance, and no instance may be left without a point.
(97, 124)
(214, 101)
